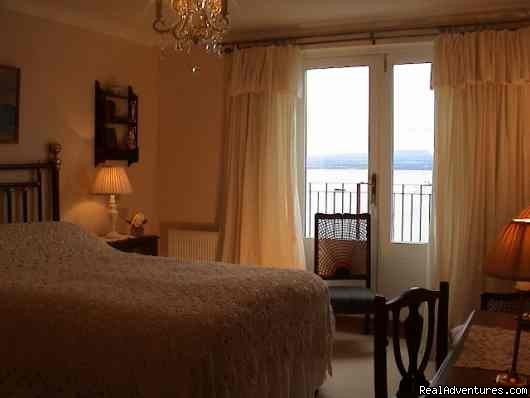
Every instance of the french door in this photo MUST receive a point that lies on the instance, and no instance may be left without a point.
(366, 143)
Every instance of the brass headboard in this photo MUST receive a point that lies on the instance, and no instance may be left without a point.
(29, 192)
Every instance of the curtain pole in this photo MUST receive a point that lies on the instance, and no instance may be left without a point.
(374, 36)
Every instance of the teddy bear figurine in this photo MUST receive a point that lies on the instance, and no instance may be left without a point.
(137, 223)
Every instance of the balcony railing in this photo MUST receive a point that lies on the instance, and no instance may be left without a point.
(335, 198)
(411, 207)
(411, 213)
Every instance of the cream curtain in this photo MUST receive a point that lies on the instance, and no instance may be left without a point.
(482, 159)
(262, 220)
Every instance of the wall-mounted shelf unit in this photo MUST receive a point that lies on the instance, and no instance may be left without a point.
(116, 125)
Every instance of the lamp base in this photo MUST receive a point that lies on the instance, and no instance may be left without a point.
(508, 379)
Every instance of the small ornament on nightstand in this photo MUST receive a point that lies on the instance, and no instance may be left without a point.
(137, 223)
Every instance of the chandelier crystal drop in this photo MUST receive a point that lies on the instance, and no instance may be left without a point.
(189, 23)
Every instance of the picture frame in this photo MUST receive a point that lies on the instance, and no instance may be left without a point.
(9, 104)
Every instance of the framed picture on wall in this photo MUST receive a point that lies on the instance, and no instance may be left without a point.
(9, 104)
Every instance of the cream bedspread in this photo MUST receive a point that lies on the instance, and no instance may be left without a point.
(80, 319)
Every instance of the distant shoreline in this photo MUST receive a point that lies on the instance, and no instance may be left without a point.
(403, 160)
(396, 167)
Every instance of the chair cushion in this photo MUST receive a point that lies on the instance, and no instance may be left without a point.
(351, 299)
(341, 259)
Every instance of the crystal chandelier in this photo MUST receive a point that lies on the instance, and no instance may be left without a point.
(188, 23)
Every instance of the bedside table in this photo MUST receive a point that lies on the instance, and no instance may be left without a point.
(147, 244)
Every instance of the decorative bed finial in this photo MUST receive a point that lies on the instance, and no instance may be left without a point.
(55, 150)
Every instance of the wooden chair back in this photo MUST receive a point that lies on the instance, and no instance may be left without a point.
(412, 376)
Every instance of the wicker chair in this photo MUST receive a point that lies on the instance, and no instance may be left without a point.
(505, 302)
(342, 253)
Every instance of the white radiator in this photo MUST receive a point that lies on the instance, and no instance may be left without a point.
(187, 245)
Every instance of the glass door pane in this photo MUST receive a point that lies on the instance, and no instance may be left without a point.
(413, 153)
(337, 152)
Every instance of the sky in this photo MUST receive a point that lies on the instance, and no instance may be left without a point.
(338, 109)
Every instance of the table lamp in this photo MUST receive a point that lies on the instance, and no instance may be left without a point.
(509, 259)
(112, 181)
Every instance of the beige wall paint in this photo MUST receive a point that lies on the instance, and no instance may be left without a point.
(178, 178)
(191, 140)
(59, 64)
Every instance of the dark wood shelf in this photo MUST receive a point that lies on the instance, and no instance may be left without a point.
(109, 145)
(121, 121)
(115, 96)
(120, 154)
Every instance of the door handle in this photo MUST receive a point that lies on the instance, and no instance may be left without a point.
(373, 189)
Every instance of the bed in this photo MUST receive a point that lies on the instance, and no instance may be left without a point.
(80, 319)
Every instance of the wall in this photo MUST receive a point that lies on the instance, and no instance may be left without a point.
(191, 116)
(59, 64)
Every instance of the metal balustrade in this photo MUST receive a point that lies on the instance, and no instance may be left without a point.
(411, 207)
(411, 213)
(335, 198)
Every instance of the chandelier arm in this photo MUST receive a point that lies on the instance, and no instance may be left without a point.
(177, 29)
(212, 25)
(207, 24)
(216, 29)
(198, 22)
(158, 26)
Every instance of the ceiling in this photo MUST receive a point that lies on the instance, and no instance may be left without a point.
(253, 19)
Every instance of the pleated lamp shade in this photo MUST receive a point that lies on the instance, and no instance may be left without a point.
(509, 257)
(112, 180)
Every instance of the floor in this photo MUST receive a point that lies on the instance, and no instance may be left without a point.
(353, 364)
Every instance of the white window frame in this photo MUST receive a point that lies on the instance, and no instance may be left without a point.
(380, 142)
